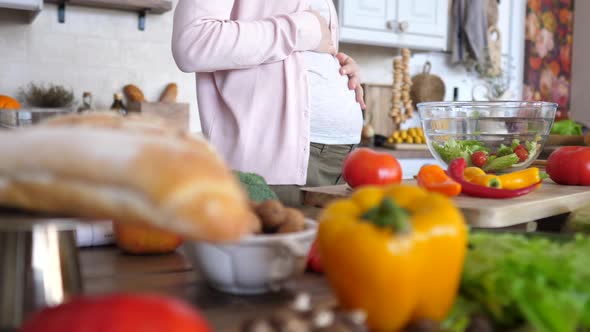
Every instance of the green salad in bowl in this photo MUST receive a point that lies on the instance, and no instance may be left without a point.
(476, 153)
(502, 136)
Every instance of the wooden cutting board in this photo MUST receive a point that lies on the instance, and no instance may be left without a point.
(549, 200)
(405, 146)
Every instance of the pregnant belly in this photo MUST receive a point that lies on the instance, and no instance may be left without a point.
(336, 117)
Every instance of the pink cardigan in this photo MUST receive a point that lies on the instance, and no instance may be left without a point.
(251, 80)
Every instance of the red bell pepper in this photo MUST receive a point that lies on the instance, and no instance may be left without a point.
(570, 165)
(455, 171)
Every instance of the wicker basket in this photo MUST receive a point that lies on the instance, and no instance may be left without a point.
(427, 87)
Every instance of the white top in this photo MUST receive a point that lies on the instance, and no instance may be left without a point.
(336, 117)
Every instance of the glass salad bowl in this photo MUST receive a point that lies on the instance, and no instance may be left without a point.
(499, 136)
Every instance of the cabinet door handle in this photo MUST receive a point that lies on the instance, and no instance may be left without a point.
(401, 26)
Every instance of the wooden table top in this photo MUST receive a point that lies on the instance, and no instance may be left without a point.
(106, 269)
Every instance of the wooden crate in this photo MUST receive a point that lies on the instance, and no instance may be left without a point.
(177, 114)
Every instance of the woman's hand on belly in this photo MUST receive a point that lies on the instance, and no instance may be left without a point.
(350, 67)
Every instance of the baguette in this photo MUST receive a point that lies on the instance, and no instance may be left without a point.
(170, 93)
(133, 93)
(173, 183)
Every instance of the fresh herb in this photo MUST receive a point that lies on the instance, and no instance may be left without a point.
(504, 157)
(566, 127)
(453, 149)
(519, 280)
(504, 150)
(500, 163)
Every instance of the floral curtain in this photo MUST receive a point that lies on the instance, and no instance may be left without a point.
(548, 52)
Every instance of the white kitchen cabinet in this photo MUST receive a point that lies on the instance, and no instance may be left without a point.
(416, 24)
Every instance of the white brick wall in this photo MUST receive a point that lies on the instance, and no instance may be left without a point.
(95, 50)
(102, 50)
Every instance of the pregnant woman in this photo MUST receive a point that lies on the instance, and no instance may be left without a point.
(275, 98)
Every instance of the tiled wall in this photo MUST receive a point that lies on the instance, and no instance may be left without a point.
(95, 50)
(102, 50)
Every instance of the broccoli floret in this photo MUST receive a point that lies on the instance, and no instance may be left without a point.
(257, 188)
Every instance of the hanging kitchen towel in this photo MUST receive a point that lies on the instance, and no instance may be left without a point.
(469, 30)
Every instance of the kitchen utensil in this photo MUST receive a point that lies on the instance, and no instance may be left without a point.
(257, 264)
(427, 87)
(495, 50)
(489, 123)
(38, 264)
(549, 200)
(492, 12)
(378, 100)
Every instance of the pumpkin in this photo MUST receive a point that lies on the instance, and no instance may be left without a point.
(9, 103)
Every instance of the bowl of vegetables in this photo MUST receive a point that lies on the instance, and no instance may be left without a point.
(498, 136)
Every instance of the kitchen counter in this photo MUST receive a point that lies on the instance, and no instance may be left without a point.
(106, 269)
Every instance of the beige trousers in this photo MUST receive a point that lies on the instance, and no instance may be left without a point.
(324, 169)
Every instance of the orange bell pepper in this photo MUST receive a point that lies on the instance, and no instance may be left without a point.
(434, 178)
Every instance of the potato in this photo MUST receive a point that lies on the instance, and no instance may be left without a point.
(272, 214)
(257, 226)
(294, 221)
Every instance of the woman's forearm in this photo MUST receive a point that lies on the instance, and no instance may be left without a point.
(205, 39)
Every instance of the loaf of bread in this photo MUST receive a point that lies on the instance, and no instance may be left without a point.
(133, 93)
(126, 173)
(170, 93)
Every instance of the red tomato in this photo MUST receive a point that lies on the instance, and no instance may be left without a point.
(479, 158)
(313, 259)
(118, 313)
(522, 153)
(570, 165)
(364, 166)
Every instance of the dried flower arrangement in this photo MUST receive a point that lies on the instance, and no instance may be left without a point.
(47, 96)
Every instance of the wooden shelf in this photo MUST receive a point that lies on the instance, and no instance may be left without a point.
(151, 6)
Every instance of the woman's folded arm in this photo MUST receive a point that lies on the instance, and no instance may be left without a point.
(205, 39)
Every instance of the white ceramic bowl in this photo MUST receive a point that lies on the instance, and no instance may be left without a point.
(256, 264)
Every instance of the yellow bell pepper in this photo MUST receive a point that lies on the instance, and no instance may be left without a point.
(395, 252)
(520, 179)
(478, 176)
(471, 172)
